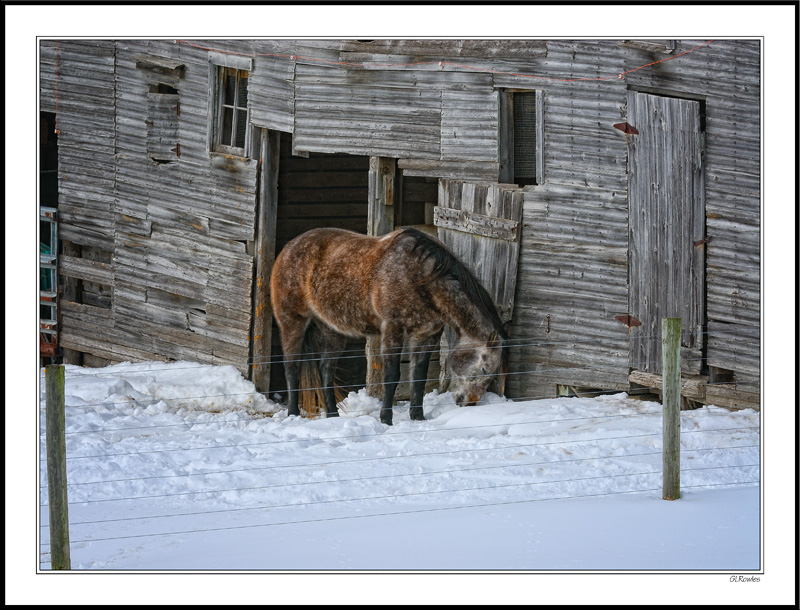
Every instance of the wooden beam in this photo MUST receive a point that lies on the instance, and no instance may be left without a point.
(380, 220)
(476, 224)
(267, 211)
(694, 388)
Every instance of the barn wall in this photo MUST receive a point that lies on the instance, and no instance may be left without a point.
(156, 226)
(78, 85)
(573, 269)
(726, 76)
(573, 265)
(183, 265)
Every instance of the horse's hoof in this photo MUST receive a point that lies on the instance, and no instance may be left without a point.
(332, 414)
(386, 420)
(417, 414)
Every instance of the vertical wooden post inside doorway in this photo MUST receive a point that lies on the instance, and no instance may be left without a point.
(380, 220)
(267, 210)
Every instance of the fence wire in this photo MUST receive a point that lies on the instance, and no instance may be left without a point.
(431, 348)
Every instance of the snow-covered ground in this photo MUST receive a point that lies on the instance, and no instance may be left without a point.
(185, 467)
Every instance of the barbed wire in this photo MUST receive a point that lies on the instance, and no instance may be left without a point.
(360, 385)
(420, 510)
(429, 348)
(384, 458)
(341, 404)
(392, 476)
(415, 431)
(352, 412)
(639, 365)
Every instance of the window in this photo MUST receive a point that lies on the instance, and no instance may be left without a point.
(228, 116)
(521, 137)
(231, 125)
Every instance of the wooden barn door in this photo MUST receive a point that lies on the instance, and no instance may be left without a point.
(481, 224)
(667, 227)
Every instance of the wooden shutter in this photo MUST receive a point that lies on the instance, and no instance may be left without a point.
(480, 223)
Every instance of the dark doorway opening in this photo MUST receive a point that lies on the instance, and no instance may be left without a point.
(320, 190)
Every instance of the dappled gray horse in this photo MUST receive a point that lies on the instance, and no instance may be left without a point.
(402, 286)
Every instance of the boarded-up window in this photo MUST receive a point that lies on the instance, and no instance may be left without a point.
(521, 140)
(232, 123)
(163, 110)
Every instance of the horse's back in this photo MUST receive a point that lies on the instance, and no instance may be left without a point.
(329, 274)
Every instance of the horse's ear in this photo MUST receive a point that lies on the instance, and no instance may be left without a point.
(494, 339)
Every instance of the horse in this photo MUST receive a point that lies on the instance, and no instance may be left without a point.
(402, 286)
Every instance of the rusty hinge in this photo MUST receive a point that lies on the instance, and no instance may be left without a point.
(700, 242)
(627, 128)
(176, 150)
(628, 320)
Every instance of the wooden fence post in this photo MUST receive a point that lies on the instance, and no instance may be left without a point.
(671, 406)
(56, 467)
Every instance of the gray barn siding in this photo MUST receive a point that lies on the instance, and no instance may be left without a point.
(78, 84)
(339, 111)
(573, 269)
(726, 75)
(48, 50)
(86, 142)
(183, 265)
(576, 295)
(175, 235)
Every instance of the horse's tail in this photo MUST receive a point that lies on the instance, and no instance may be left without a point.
(311, 399)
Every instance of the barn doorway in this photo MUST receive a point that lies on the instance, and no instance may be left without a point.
(666, 190)
(48, 238)
(320, 190)
(314, 190)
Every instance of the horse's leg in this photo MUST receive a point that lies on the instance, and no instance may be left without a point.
(292, 333)
(421, 352)
(333, 345)
(391, 347)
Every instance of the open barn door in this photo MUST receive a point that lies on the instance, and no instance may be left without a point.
(481, 224)
(666, 193)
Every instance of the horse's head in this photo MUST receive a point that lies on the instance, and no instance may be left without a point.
(473, 366)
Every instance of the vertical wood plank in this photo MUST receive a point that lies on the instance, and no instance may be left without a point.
(56, 467)
(505, 136)
(261, 335)
(539, 136)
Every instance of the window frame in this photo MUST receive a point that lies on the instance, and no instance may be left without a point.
(219, 65)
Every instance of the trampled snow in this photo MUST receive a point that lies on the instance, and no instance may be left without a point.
(184, 466)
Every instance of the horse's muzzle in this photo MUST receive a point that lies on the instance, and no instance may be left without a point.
(467, 401)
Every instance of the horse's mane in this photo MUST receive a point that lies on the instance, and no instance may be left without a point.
(446, 265)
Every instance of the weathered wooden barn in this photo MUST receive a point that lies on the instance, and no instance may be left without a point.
(595, 186)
